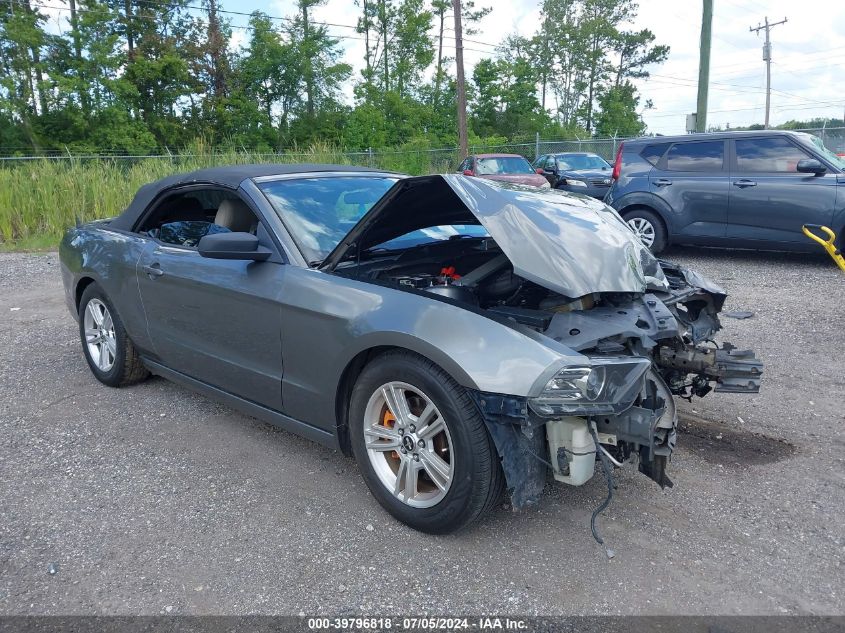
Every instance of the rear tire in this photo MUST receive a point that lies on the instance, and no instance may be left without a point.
(437, 441)
(110, 354)
(649, 227)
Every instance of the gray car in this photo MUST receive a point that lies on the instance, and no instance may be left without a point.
(458, 336)
(751, 189)
(577, 172)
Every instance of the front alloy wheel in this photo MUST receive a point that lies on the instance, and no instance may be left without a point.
(408, 444)
(421, 444)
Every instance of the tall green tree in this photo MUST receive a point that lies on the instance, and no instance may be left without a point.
(586, 50)
(22, 85)
(485, 105)
(635, 50)
(317, 56)
(617, 115)
(470, 15)
(157, 71)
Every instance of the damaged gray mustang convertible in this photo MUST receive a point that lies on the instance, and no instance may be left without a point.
(458, 336)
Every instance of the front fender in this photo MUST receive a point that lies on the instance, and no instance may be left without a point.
(328, 320)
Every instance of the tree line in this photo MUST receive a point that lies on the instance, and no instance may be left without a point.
(136, 75)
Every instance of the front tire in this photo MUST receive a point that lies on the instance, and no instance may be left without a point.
(649, 228)
(110, 354)
(421, 444)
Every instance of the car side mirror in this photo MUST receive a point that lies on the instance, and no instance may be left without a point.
(468, 172)
(539, 170)
(811, 166)
(232, 246)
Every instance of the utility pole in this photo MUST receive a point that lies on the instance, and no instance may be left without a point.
(462, 89)
(767, 57)
(704, 67)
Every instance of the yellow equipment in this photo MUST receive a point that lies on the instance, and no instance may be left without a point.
(828, 244)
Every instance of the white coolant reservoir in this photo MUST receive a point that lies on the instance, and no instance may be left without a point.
(573, 435)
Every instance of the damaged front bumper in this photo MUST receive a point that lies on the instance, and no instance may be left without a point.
(639, 352)
(530, 444)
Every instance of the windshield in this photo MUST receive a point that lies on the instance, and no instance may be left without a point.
(820, 147)
(502, 165)
(577, 162)
(320, 211)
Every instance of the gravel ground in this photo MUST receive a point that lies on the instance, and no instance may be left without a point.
(153, 500)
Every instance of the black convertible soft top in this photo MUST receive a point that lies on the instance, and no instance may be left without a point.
(230, 177)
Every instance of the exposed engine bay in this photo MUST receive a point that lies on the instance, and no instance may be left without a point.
(643, 349)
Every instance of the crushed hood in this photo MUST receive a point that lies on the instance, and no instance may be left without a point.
(567, 243)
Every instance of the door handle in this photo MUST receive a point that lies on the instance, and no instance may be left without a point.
(662, 182)
(154, 270)
(744, 183)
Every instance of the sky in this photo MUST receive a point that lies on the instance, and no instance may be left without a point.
(808, 52)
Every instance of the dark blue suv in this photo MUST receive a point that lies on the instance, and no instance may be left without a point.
(732, 189)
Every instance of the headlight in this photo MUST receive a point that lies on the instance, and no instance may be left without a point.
(576, 383)
(574, 183)
(609, 385)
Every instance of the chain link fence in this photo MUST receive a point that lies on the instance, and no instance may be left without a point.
(410, 160)
(439, 159)
(832, 137)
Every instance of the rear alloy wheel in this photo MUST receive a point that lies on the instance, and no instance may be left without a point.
(421, 444)
(99, 335)
(110, 354)
(648, 228)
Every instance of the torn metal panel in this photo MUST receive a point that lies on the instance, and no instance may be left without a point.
(738, 371)
(520, 443)
(646, 318)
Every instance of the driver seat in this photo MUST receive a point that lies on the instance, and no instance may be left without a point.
(235, 216)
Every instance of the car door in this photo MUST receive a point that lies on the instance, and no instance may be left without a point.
(770, 200)
(692, 178)
(216, 320)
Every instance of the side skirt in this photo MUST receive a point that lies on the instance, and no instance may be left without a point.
(246, 406)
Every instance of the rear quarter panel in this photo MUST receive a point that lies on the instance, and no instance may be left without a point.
(632, 186)
(93, 252)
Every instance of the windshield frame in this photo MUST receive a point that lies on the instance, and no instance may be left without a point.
(292, 235)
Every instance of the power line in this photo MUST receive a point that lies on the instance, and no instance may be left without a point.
(690, 83)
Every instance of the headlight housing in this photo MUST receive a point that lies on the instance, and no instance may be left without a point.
(608, 385)
(573, 182)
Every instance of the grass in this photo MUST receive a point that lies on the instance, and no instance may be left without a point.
(40, 199)
(34, 244)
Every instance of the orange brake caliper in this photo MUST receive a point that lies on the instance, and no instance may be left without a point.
(389, 420)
